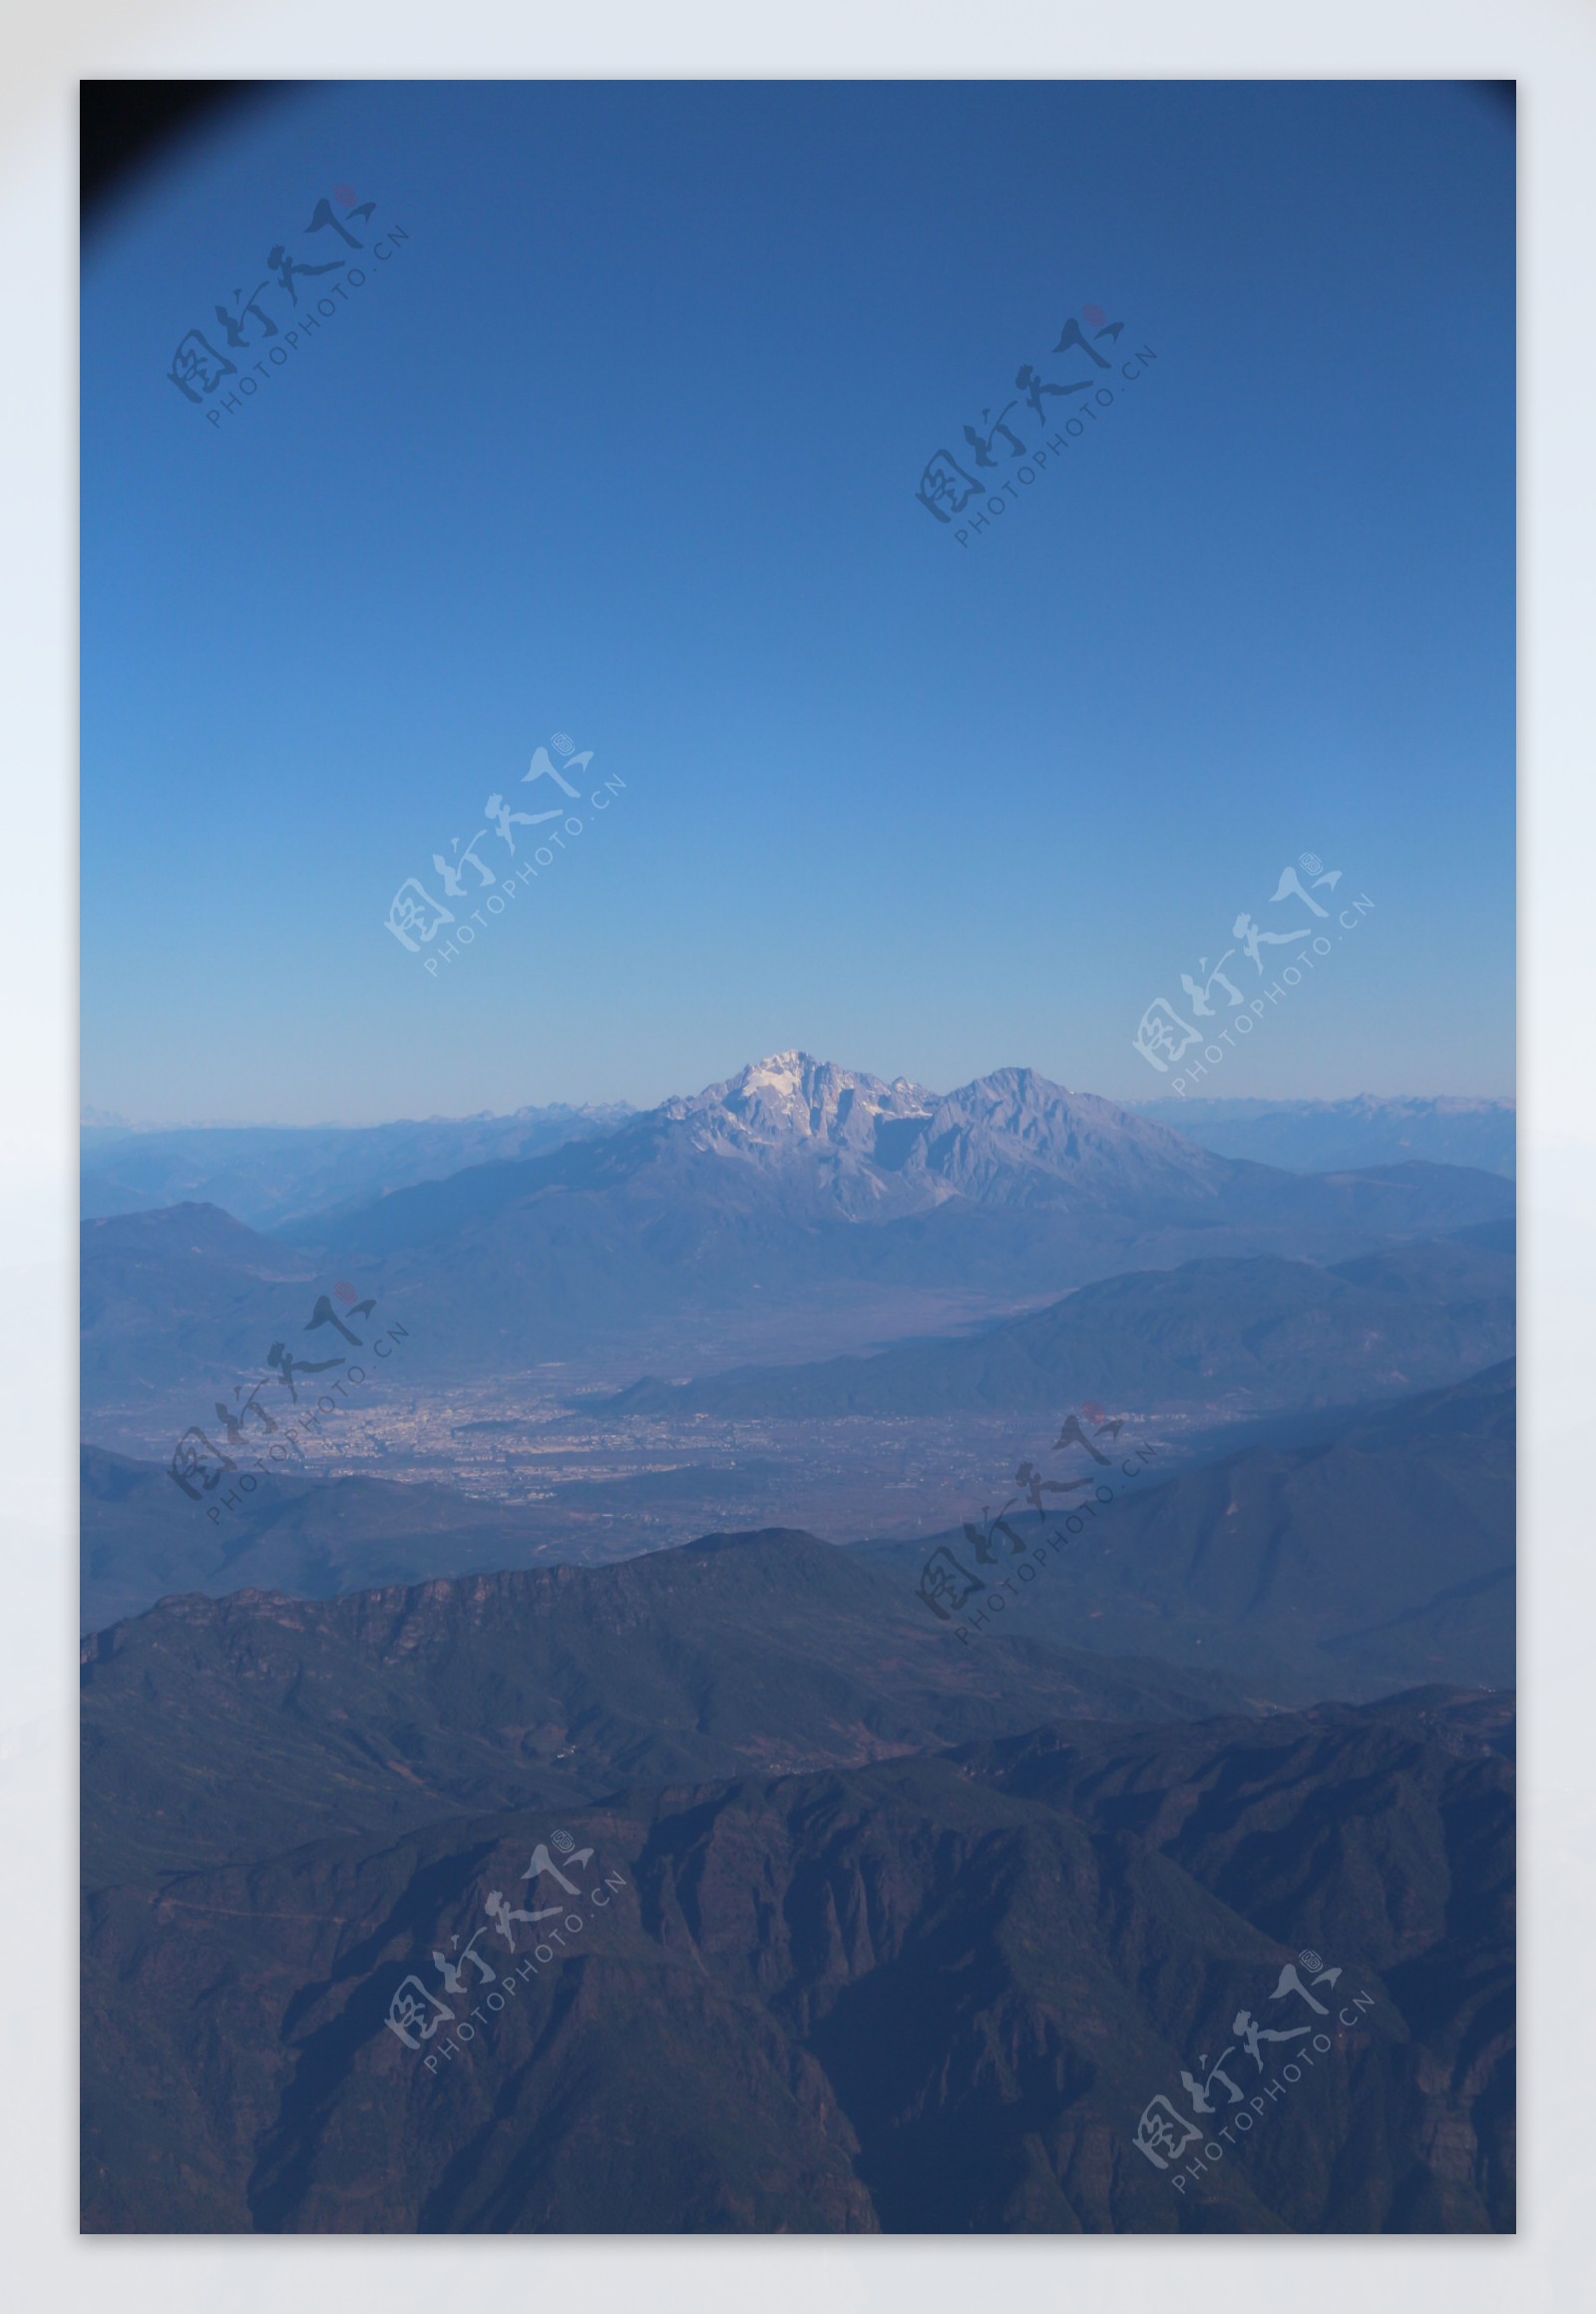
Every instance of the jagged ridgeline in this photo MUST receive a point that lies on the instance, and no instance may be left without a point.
(846, 1969)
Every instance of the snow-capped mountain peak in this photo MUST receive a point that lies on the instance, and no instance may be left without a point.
(790, 1097)
(882, 1149)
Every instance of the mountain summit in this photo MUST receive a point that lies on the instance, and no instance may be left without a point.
(880, 1149)
(790, 1097)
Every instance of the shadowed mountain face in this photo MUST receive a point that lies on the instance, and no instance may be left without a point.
(1323, 1136)
(796, 1184)
(924, 1994)
(1257, 1334)
(215, 1731)
(1378, 1558)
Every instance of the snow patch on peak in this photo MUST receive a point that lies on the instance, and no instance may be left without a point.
(781, 1072)
(789, 1099)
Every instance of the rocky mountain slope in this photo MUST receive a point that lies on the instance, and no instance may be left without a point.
(946, 1994)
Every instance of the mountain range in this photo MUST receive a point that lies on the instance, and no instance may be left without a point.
(835, 1144)
(1258, 1333)
(1344, 1555)
(796, 1187)
(883, 1968)
(875, 1923)
(1321, 1136)
(269, 1175)
(1376, 1557)
(215, 1729)
(272, 1176)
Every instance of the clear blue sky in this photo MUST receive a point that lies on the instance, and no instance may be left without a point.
(623, 441)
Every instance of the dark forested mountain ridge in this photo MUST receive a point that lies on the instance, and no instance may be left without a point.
(936, 1994)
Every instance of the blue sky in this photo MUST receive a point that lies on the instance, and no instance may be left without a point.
(623, 441)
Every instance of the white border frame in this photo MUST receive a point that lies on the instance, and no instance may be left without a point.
(1549, 47)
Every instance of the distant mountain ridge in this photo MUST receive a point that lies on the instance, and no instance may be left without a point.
(1376, 1557)
(1369, 1129)
(269, 1175)
(834, 1143)
(1262, 1332)
(840, 1144)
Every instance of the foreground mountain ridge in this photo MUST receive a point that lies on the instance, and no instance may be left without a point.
(928, 1995)
(215, 1728)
